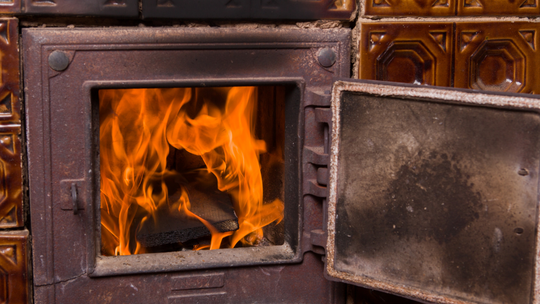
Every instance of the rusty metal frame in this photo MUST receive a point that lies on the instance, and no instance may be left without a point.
(101, 57)
(449, 96)
(188, 260)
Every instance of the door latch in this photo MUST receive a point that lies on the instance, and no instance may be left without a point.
(72, 195)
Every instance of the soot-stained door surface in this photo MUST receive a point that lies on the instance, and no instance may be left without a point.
(433, 199)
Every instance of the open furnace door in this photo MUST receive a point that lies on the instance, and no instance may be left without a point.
(434, 193)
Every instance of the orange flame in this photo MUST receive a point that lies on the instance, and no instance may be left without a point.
(137, 129)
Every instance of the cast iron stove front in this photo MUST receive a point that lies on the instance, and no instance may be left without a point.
(62, 151)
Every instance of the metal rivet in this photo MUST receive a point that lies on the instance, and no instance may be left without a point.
(58, 61)
(326, 57)
(523, 172)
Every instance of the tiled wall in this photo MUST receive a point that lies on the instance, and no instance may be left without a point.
(475, 44)
(490, 45)
(425, 8)
(14, 236)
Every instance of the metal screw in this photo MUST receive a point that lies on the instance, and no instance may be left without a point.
(58, 61)
(326, 57)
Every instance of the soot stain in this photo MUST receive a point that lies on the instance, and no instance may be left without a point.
(431, 198)
(428, 199)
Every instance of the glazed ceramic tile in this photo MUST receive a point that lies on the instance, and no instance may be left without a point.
(10, 6)
(14, 267)
(498, 7)
(417, 53)
(497, 57)
(9, 78)
(410, 7)
(11, 209)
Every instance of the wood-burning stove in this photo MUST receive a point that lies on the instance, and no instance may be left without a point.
(387, 153)
(75, 65)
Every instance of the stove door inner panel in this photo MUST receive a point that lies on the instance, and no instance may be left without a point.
(435, 198)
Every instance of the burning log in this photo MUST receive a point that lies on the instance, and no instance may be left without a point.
(169, 227)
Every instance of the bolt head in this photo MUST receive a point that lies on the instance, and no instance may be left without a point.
(58, 61)
(327, 57)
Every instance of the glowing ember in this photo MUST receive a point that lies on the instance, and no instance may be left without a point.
(138, 128)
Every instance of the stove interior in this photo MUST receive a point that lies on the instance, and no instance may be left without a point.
(191, 168)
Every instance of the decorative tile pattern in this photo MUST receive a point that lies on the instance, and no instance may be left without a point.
(13, 267)
(10, 6)
(410, 7)
(498, 7)
(11, 209)
(418, 53)
(11, 212)
(112, 8)
(9, 76)
(427, 8)
(497, 57)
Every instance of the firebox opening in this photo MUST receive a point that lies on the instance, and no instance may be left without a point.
(191, 168)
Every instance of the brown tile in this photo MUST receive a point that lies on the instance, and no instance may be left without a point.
(9, 79)
(13, 267)
(497, 56)
(10, 6)
(410, 7)
(419, 53)
(11, 212)
(248, 9)
(497, 7)
(116, 8)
